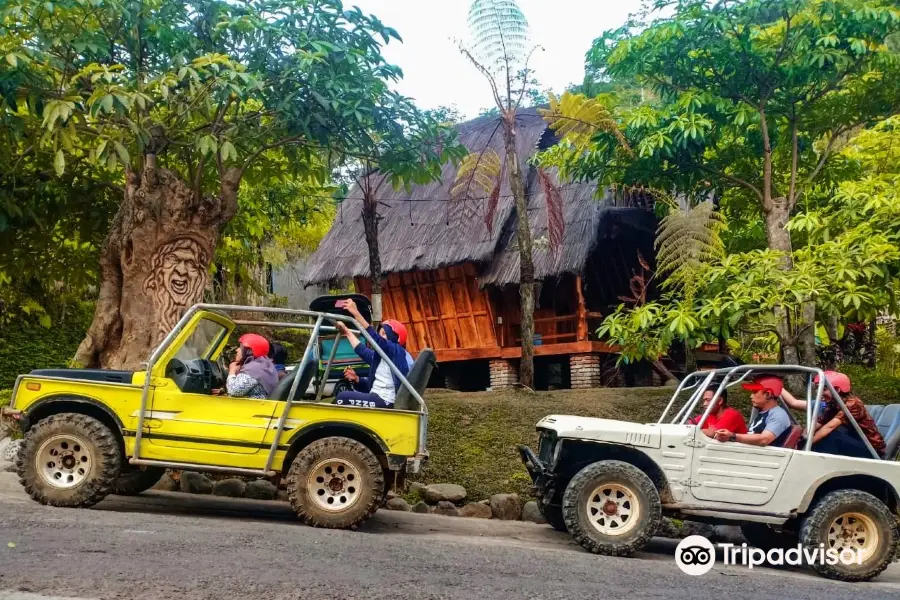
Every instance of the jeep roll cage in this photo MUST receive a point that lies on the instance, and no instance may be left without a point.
(318, 326)
(700, 381)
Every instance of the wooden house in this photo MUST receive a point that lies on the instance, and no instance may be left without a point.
(454, 280)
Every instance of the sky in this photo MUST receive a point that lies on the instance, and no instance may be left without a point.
(435, 73)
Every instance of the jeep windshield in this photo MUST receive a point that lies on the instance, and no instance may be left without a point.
(203, 341)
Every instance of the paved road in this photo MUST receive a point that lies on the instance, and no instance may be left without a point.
(173, 546)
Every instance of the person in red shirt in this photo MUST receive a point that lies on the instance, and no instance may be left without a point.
(722, 416)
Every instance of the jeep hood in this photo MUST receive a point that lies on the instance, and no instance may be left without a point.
(603, 430)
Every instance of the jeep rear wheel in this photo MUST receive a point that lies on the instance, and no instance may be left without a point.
(69, 460)
(611, 507)
(135, 480)
(854, 522)
(336, 483)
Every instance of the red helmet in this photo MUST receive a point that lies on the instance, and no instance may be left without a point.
(258, 345)
(770, 383)
(838, 381)
(398, 328)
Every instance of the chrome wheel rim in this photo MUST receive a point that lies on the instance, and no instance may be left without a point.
(63, 461)
(613, 509)
(856, 532)
(334, 485)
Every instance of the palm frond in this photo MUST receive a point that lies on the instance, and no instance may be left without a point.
(688, 238)
(556, 223)
(577, 119)
(478, 178)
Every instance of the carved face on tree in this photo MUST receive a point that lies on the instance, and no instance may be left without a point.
(176, 280)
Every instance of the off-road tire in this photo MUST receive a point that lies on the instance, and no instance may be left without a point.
(760, 535)
(591, 478)
(370, 486)
(553, 514)
(818, 521)
(135, 480)
(341, 386)
(97, 440)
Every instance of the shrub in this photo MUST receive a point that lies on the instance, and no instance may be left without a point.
(27, 346)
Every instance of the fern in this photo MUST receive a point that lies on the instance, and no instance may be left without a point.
(688, 238)
(577, 119)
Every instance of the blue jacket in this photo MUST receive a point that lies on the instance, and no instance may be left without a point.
(397, 353)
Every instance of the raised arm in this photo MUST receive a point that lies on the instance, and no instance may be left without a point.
(792, 401)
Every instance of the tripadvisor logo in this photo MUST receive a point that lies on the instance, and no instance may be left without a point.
(696, 555)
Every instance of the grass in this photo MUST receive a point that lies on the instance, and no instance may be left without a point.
(472, 438)
(5, 397)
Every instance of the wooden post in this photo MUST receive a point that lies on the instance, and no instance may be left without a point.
(582, 331)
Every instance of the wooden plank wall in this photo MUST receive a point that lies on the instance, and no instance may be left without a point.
(443, 309)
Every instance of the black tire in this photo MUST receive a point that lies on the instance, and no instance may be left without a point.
(578, 517)
(341, 386)
(553, 514)
(361, 485)
(135, 480)
(83, 436)
(819, 521)
(762, 536)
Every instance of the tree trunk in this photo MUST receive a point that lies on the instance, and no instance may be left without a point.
(871, 345)
(798, 336)
(526, 261)
(370, 225)
(154, 264)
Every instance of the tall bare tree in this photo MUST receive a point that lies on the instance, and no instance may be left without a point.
(500, 49)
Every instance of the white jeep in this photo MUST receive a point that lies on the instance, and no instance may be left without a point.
(609, 482)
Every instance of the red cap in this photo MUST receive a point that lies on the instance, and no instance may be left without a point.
(770, 383)
(258, 345)
(398, 328)
(838, 381)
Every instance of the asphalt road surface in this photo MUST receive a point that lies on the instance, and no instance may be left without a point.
(173, 546)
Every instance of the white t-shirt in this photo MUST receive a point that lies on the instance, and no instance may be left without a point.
(383, 386)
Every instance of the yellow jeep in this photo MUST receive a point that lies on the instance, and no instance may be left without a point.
(90, 433)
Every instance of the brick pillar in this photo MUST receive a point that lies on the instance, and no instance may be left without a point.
(584, 371)
(504, 373)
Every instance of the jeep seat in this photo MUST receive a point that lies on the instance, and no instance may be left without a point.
(887, 419)
(306, 373)
(418, 377)
(793, 437)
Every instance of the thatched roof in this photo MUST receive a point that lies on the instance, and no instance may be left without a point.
(422, 230)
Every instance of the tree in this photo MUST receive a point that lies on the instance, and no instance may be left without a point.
(500, 51)
(751, 99)
(178, 105)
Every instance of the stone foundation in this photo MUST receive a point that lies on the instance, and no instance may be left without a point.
(504, 373)
(584, 371)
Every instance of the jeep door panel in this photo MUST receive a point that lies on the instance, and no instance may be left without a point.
(736, 473)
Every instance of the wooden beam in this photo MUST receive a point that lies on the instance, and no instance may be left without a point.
(445, 356)
(582, 328)
(557, 349)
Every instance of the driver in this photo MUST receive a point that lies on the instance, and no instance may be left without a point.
(379, 389)
(252, 373)
(721, 416)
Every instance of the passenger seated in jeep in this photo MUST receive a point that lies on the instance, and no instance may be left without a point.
(834, 435)
(279, 356)
(251, 374)
(772, 425)
(721, 416)
(379, 389)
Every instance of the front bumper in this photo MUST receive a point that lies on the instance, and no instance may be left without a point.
(542, 479)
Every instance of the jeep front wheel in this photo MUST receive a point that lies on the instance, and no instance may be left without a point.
(855, 523)
(611, 507)
(336, 483)
(69, 460)
(553, 514)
